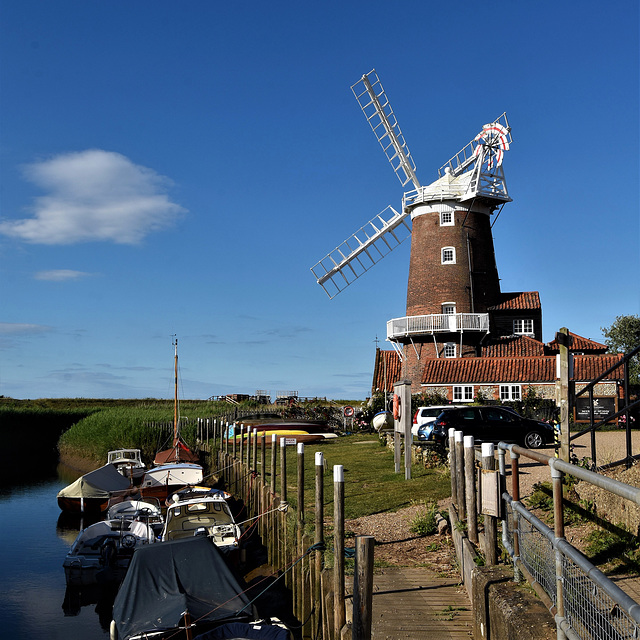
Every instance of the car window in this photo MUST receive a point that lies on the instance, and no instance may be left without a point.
(431, 413)
(497, 415)
(467, 414)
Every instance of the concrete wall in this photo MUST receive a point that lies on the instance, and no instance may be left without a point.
(502, 609)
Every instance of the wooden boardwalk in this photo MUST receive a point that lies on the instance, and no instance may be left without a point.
(415, 603)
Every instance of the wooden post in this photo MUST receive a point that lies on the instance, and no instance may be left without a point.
(470, 488)
(263, 457)
(452, 466)
(234, 444)
(459, 455)
(319, 534)
(490, 522)
(241, 456)
(283, 469)
(564, 339)
(558, 530)
(300, 528)
(338, 545)
(274, 439)
(282, 514)
(363, 588)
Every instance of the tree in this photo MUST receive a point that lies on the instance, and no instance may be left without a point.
(622, 337)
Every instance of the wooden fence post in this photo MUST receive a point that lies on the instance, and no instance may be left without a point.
(363, 588)
(338, 546)
(452, 466)
(319, 536)
(490, 522)
(459, 455)
(470, 488)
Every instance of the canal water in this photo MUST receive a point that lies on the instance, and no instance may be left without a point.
(34, 539)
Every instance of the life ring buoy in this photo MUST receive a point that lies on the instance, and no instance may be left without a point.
(397, 407)
(348, 412)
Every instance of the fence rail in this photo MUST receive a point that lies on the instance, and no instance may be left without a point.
(587, 604)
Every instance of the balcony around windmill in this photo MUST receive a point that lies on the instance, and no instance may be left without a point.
(399, 328)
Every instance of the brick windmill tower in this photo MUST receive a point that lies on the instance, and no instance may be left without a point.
(453, 278)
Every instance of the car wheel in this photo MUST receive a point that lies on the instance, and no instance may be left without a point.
(533, 440)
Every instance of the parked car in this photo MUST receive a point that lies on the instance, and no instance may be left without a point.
(423, 419)
(494, 424)
(426, 415)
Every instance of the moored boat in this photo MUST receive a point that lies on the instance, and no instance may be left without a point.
(184, 584)
(103, 551)
(91, 492)
(164, 480)
(205, 513)
(128, 462)
(177, 466)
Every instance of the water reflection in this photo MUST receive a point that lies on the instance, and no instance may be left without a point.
(34, 540)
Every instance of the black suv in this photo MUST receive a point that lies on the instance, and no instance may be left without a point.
(494, 424)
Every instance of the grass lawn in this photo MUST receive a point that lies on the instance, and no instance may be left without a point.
(370, 482)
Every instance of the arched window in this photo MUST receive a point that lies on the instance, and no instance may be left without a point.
(448, 255)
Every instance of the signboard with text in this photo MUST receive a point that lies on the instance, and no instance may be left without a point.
(603, 408)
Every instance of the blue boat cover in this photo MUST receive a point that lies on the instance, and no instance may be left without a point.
(167, 579)
(245, 631)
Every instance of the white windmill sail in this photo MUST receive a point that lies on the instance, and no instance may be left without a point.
(358, 253)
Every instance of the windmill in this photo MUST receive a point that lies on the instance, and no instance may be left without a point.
(473, 174)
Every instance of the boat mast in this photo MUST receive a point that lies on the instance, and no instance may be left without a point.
(175, 396)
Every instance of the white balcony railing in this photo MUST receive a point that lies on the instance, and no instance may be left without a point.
(436, 323)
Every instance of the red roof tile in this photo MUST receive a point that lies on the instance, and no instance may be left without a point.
(513, 346)
(580, 344)
(523, 370)
(386, 371)
(518, 300)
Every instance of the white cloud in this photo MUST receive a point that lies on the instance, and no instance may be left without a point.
(14, 328)
(60, 275)
(94, 195)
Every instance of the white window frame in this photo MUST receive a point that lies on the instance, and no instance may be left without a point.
(452, 250)
(451, 306)
(521, 326)
(510, 392)
(449, 350)
(463, 393)
(446, 218)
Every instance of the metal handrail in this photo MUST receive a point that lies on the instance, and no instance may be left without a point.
(556, 537)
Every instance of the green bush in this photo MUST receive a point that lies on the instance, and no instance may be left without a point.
(424, 522)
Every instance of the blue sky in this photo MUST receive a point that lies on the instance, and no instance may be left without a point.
(177, 168)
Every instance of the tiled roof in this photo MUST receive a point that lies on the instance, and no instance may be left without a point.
(579, 344)
(518, 300)
(523, 370)
(513, 346)
(386, 370)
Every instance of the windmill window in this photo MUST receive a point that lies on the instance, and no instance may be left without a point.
(448, 255)
(448, 308)
(463, 393)
(450, 350)
(446, 218)
(523, 327)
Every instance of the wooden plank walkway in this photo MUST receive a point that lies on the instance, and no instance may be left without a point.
(415, 603)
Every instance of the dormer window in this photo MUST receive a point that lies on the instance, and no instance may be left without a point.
(446, 218)
(448, 255)
(523, 327)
